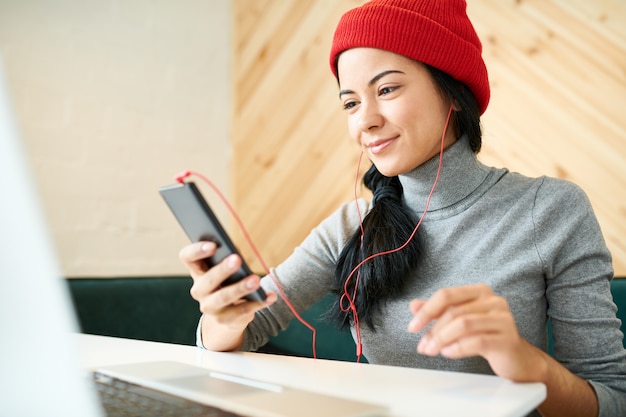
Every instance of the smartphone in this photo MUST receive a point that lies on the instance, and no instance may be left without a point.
(200, 224)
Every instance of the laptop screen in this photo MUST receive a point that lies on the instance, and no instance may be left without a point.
(40, 374)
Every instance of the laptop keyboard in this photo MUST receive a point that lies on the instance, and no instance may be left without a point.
(123, 399)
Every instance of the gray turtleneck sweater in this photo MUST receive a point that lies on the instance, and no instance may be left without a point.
(535, 242)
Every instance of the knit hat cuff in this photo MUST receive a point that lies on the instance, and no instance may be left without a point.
(418, 37)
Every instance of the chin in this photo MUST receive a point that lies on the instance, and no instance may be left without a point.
(388, 171)
(392, 169)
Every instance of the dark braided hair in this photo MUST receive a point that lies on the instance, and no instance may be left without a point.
(389, 224)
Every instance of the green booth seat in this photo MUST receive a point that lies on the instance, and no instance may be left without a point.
(161, 309)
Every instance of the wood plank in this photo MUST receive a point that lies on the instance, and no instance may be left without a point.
(558, 75)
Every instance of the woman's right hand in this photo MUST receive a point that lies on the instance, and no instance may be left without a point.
(225, 312)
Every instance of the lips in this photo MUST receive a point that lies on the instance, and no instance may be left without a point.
(378, 146)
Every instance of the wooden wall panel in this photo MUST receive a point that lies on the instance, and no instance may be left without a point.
(558, 75)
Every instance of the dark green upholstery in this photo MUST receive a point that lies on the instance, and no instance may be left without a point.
(618, 288)
(161, 309)
(156, 309)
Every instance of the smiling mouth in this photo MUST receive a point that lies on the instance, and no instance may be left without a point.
(380, 145)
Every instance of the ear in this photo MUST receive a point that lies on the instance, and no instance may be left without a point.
(455, 105)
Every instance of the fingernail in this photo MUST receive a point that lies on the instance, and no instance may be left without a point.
(427, 346)
(449, 350)
(415, 324)
(207, 246)
(421, 346)
(251, 283)
(232, 261)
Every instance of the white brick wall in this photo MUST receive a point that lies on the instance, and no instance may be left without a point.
(113, 98)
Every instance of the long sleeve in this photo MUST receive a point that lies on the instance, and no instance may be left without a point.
(305, 276)
(577, 265)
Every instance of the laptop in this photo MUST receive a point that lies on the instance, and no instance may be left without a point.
(39, 371)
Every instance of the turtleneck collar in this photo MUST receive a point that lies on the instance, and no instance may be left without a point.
(461, 174)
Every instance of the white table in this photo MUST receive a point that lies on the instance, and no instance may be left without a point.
(407, 392)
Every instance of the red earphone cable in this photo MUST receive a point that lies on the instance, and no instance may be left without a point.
(352, 306)
(359, 346)
(180, 178)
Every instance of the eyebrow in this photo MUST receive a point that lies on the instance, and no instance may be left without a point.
(372, 81)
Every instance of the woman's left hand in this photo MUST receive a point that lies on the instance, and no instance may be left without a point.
(473, 321)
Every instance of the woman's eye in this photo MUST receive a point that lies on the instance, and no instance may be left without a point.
(349, 105)
(386, 90)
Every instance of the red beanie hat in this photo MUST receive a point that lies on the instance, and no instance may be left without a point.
(434, 32)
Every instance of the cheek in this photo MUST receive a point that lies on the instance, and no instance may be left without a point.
(353, 130)
(418, 119)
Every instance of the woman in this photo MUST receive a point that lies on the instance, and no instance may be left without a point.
(453, 265)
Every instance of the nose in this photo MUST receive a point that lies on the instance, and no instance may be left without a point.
(369, 117)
